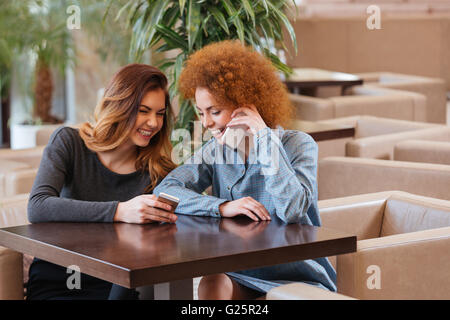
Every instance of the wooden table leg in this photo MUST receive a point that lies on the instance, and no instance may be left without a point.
(176, 290)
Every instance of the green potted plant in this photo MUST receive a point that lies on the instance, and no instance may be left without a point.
(51, 42)
(11, 42)
(188, 25)
(36, 30)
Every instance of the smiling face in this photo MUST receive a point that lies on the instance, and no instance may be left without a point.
(150, 117)
(214, 116)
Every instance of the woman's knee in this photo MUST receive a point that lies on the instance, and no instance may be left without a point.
(215, 287)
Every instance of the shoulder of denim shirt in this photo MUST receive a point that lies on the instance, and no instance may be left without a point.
(292, 136)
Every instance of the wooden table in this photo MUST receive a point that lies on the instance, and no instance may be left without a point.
(322, 131)
(138, 255)
(306, 80)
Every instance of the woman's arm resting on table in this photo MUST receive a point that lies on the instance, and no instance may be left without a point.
(188, 181)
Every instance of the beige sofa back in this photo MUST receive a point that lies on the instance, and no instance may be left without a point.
(30, 156)
(362, 100)
(423, 151)
(434, 89)
(382, 146)
(365, 127)
(346, 176)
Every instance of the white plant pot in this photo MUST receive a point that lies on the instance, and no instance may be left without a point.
(24, 135)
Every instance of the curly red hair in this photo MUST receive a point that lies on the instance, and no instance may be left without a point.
(236, 76)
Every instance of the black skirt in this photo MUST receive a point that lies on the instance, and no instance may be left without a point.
(48, 281)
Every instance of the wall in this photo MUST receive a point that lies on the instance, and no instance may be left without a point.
(418, 45)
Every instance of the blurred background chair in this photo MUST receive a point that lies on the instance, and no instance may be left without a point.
(403, 236)
(382, 146)
(302, 291)
(14, 266)
(346, 176)
(369, 126)
(362, 100)
(434, 89)
(423, 151)
(18, 169)
(29, 156)
(43, 134)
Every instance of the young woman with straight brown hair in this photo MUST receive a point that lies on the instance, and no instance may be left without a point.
(104, 172)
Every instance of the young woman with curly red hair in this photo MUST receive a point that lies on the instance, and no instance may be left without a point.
(271, 174)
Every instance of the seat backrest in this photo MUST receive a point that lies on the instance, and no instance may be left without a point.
(382, 146)
(30, 156)
(43, 134)
(403, 216)
(13, 211)
(374, 126)
(7, 168)
(363, 219)
(423, 151)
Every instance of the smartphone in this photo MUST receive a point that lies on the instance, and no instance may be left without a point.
(233, 137)
(170, 200)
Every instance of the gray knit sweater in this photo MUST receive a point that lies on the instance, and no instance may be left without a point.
(73, 185)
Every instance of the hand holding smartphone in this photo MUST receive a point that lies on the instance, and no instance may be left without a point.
(170, 200)
(233, 136)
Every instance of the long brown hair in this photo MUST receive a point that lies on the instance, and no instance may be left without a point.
(116, 113)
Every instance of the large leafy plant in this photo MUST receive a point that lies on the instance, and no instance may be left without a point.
(188, 25)
(38, 28)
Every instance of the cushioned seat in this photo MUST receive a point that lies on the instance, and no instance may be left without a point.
(403, 239)
(302, 291)
(13, 265)
(402, 249)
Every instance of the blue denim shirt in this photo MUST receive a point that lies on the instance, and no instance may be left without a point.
(280, 173)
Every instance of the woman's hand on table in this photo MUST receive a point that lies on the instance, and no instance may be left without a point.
(244, 206)
(144, 209)
(247, 116)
